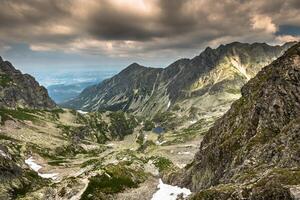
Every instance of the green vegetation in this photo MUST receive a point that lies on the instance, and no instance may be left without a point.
(55, 113)
(162, 163)
(188, 134)
(162, 117)
(93, 161)
(140, 139)
(176, 107)
(145, 145)
(285, 176)
(114, 179)
(5, 137)
(148, 125)
(57, 162)
(167, 120)
(5, 80)
(120, 125)
(42, 151)
(19, 114)
(29, 114)
(219, 192)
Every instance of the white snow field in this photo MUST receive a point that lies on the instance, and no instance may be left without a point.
(36, 167)
(169, 192)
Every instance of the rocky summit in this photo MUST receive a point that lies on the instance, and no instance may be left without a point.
(252, 152)
(19, 90)
(188, 88)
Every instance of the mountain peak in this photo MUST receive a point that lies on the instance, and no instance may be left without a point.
(132, 67)
(135, 65)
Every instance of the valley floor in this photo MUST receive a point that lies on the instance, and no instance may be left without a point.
(69, 176)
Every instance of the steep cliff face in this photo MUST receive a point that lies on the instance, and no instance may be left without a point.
(21, 90)
(252, 152)
(209, 80)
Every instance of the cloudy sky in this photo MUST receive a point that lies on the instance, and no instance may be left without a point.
(46, 35)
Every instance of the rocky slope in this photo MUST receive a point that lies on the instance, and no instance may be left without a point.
(21, 90)
(252, 152)
(192, 87)
(133, 84)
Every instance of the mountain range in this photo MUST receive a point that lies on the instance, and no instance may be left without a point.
(237, 107)
(190, 89)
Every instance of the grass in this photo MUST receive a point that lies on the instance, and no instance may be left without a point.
(121, 125)
(5, 137)
(5, 80)
(162, 163)
(19, 114)
(93, 161)
(56, 162)
(115, 179)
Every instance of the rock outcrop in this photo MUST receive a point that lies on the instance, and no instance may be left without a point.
(19, 90)
(253, 151)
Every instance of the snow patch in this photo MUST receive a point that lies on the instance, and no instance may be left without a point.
(53, 176)
(181, 166)
(82, 112)
(184, 153)
(169, 192)
(193, 121)
(160, 143)
(36, 167)
(169, 104)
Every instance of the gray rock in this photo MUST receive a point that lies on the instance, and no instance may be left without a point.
(19, 90)
(254, 147)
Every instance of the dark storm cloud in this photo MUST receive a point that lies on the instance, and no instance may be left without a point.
(114, 23)
(125, 28)
(33, 12)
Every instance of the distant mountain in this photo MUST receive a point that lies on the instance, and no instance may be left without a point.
(206, 84)
(116, 93)
(252, 152)
(21, 90)
(64, 92)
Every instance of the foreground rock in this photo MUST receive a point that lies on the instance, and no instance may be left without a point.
(253, 151)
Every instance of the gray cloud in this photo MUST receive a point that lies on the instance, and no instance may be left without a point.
(139, 28)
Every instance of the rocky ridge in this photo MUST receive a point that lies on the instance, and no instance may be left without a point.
(19, 90)
(212, 79)
(252, 152)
